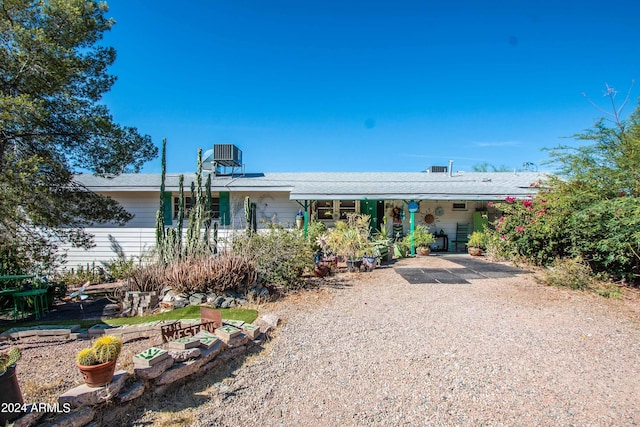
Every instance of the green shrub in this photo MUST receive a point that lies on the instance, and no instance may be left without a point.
(422, 237)
(280, 256)
(120, 268)
(91, 273)
(315, 230)
(570, 272)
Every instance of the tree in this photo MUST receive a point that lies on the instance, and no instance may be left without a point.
(53, 73)
(590, 211)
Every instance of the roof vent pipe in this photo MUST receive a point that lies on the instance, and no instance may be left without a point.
(450, 167)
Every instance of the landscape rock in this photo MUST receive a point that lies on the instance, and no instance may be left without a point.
(169, 296)
(133, 392)
(217, 303)
(270, 319)
(197, 299)
(84, 395)
(77, 418)
(179, 371)
(227, 302)
(154, 371)
(29, 419)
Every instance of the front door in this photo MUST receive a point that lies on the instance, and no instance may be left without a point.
(375, 209)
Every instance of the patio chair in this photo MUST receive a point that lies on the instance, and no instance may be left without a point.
(462, 235)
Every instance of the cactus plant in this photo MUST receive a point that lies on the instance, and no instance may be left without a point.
(9, 358)
(86, 357)
(107, 348)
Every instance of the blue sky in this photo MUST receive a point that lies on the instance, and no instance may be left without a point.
(338, 85)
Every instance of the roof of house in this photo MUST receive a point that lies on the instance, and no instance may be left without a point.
(343, 185)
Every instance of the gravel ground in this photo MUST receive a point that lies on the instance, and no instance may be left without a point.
(374, 350)
(370, 349)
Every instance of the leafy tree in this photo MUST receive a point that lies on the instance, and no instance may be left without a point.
(590, 211)
(53, 73)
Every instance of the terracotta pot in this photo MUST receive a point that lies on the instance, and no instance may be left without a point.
(321, 270)
(98, 375)
(474, 251)
(9, 393)
(424, 251)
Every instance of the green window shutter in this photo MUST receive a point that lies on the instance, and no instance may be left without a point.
(168, 203)
(225, 208)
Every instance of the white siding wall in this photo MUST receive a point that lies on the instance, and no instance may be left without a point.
(271, 207)
(138, 236)
(143, 205)
(110, 242)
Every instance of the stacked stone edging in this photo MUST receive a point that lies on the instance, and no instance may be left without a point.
(72, 332)
(156, 378)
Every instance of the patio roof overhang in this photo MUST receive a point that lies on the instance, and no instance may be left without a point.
(405, 196)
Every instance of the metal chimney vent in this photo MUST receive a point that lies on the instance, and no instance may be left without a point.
(227, 155)
(438, 169)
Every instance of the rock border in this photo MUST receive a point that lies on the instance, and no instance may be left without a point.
(80, 405)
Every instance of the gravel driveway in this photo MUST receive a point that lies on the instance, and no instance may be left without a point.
(374, 349)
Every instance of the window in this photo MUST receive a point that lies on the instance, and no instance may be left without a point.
(328, 210)
(188, 204)
(347, 207)
(176, 206)
(325, 209)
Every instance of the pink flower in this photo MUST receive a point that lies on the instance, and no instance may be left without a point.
(519, 229)
(501, 219)
(527, 203)
(489, 203)
(503, 237)
(509, 199)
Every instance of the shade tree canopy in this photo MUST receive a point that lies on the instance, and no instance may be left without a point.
(53, 73)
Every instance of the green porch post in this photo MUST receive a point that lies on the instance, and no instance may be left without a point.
(413, 208)
(411, 229)
(305, 206)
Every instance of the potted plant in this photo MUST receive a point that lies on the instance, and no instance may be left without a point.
(422, 240)
(350, 238)
(9, 388)
(98, 362)
(477, 243)
(383, 243)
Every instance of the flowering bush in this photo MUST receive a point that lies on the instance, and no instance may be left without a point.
(556, 225)
(527, 231)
